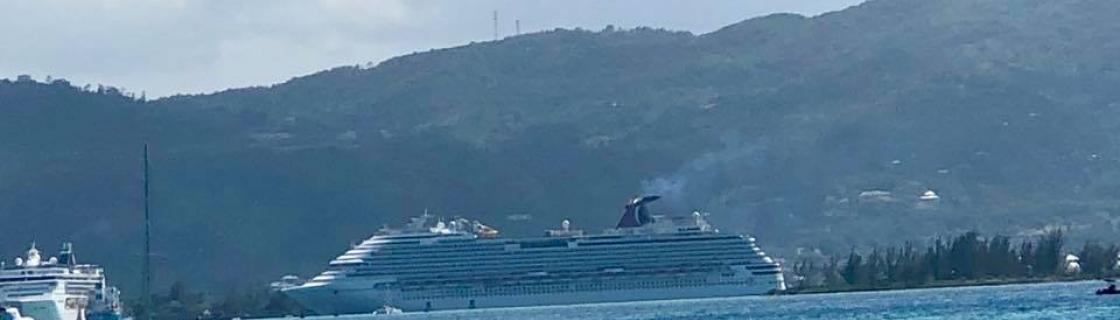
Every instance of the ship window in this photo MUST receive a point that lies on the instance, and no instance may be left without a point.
(551, 243)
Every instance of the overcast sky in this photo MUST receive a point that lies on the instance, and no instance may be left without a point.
(164, 47)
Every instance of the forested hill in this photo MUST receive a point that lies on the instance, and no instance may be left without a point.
(808, 132)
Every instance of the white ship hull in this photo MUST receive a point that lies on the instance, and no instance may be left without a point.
(325, 300)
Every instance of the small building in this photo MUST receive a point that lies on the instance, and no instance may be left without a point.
(929, 195)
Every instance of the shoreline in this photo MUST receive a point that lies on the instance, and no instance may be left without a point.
(934, 285)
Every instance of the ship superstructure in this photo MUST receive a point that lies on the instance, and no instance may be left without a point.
(57, 288)
(462, 264)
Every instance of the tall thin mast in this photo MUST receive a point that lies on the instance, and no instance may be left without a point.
(495, 25)
(147, 242)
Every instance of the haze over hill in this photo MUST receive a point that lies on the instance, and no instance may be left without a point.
(809, 133)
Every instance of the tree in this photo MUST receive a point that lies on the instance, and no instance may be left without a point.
(1098, 260)
(832, 277)
(853, 272)
(1048, 256)
(281, 305)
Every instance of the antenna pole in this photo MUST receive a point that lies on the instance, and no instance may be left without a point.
(147, 242)
(495, 25)
(517, 26)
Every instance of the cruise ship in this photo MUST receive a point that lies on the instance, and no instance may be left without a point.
(57, 288)
(459, 264)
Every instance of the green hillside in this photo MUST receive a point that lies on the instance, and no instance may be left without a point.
(808, 132)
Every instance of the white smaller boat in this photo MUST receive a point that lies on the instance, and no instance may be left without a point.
(387, 310)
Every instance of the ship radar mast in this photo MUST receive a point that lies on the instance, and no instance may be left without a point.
(701, 220)
(33, 257)
(418, 223)
(66, 255)
(564, 231)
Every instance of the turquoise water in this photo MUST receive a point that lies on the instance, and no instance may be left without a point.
(1072, 300)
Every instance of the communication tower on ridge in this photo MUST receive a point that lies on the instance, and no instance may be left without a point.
(495, 25)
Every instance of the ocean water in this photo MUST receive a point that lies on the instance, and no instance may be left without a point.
(1070, 300)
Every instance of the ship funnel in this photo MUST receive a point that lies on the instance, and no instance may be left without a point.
(635, 214)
